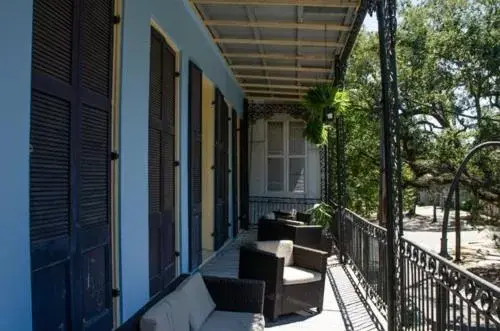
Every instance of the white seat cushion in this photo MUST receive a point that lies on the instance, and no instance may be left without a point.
(233, 321)
(296, 275)
(170, 313)
(156, 318)
(200, 303)
(281, 248)
(291, 222)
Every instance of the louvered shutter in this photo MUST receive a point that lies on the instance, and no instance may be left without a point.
(275, 157)
(244, 196)
(70, 164)
(225, 169)
(195, 86)
(296, 157)
(161, 169)
(234, 171)
(168, 220)
(221, 170)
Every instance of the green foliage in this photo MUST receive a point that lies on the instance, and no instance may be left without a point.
(449, 82)
(320, 99)
(322, 214)
(466, 205)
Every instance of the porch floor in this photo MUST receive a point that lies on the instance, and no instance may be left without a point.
(344, 306)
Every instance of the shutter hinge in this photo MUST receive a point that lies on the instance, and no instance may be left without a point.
(212, 167)
(115, 293)
(229, 171)
(177, 254)
(212, 234)
(117, 19)
(229, 119)
(177, 163)
(114, 155)
(177, 74)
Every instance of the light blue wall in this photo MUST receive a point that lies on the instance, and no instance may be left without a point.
(15, 96)
(134, 158)
(183, 28)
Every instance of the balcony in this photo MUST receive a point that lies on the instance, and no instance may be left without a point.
(435, 294)
(345, 304)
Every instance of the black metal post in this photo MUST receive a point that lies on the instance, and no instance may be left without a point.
(386, 15)
(339, 133)
(453, 186)
(458, 225)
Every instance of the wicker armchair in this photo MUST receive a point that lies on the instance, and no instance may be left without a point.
(295, 278)
(301, 234)
(250, 296)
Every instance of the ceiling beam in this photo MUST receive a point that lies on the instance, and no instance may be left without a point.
(277, 56)
(285, 87)
(309, 3)
(277, 98)
(280, 25)
(256, 35)
(299, 79)
(278, 42)
(291, 93)
(278, 68)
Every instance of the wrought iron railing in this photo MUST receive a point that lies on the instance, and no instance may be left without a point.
(365, 250)
(261, 206)
(436, 294)
(440, 295)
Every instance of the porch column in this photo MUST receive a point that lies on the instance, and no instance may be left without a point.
(341, 181)
(386, 15)
(15, 94)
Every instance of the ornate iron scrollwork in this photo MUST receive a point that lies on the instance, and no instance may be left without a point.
(258, 111)
(462, 300)
(386, 15)
(365, 255)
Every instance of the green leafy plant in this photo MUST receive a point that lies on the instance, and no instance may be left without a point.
(322, 214)
(321, 99)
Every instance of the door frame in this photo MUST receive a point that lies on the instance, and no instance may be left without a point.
(193, 265)
(115, 166)
(155, 25)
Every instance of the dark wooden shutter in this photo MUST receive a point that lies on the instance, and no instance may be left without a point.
(161, 165)
(195, 85)
(244, 163)
(234, 171)
(70, 164)
(221, 170)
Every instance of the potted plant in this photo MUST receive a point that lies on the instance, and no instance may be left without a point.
(319, 100)
(323, 214)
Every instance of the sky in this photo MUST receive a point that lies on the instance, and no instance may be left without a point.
(370, 23)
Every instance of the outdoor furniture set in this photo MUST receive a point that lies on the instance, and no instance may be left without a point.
(281, 273)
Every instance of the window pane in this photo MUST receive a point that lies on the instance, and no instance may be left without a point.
(296, 175)
(275, 174)
(296, 138)
(275, 138)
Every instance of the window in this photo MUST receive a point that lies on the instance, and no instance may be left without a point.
(286, 157)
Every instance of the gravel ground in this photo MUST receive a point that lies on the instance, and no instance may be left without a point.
(480, 248)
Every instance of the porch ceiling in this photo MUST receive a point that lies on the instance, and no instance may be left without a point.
(279, 48)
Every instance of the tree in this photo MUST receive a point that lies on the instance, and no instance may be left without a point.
(449, 79)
